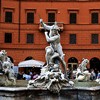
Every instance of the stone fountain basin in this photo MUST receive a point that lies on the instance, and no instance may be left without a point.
(81, 91)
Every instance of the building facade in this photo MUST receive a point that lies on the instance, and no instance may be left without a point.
(23, 38)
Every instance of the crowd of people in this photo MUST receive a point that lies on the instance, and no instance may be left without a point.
(31, 74)
(95, 74)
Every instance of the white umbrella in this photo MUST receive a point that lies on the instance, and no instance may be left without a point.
(31, 63)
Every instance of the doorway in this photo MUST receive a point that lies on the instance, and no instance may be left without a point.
(72, 66)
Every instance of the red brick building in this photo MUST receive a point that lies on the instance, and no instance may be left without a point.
(22, 36)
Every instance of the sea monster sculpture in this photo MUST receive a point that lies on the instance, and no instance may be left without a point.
(6, 71)
(82, 74)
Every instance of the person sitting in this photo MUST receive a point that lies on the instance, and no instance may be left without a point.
(26, 76)
(98, 75)
(93, 75)
(35, 75)
(19, 76)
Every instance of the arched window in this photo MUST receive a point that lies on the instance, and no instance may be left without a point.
(29, 58)
(95, 63)
(72, 63)
(72, 60)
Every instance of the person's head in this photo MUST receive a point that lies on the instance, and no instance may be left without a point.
(55, 28)
(34, 72)
(23, 72)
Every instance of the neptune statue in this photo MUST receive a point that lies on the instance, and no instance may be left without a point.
(51, 76)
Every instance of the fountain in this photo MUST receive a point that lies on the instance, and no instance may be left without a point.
(51, 76)
(53, 83)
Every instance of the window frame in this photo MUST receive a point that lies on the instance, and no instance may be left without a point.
(94, 11)
(29, 21)
(76, 11)
(54, 16)
(97, 19)
(52, 11)
(27, 40)
(8, 10)
(74, 20)
(9, 39)
(96, 41)
(30, 11)
(71, 40)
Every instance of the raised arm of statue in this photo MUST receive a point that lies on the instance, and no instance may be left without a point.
(47, 27)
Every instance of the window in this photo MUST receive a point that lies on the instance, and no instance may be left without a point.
(94, 18)
(72, 39)
(51, 18)
(8, 37)
(8, 16)
(30, 17)
(94, 38)
(30, 38)
(73, 18)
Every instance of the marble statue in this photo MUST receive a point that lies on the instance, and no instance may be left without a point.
(98, 80)
(7, 73)
(53, 37)
(82, 74)
(51, 76)
(53, 80)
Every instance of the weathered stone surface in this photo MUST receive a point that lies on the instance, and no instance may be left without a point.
(51, 76)
(7, 77)
(23, 93)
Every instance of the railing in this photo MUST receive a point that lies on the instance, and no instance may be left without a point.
(60, 25)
